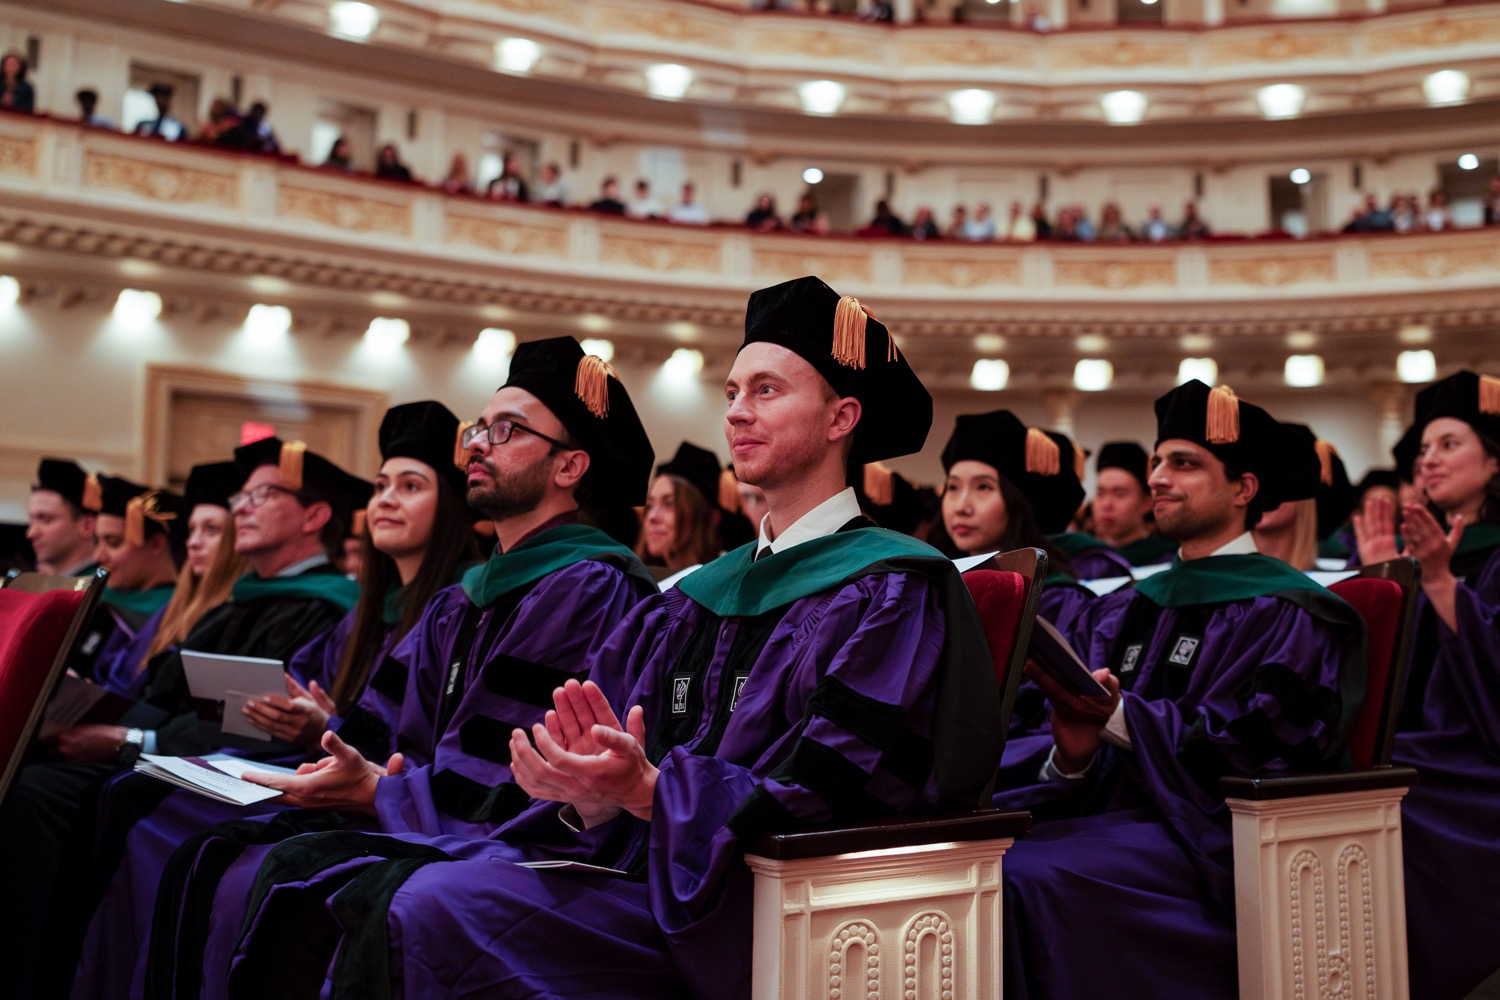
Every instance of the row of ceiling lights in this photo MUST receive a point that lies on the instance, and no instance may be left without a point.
(1301, 371)
(969, 106)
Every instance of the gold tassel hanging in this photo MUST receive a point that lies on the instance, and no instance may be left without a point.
(1222, 425)
(591, 384)
(729, 492)
(135, 521)
(849, 320)
(460, 453)
(292, 453)
(1079, 458)
(1043, 457)
(880, 484)
(357, 524)
(1326, 454)
(93, 493)
(1489, 395)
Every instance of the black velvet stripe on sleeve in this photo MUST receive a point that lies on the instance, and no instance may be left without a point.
(906, 755)
(390, 679)
(524, 681)
(362, 967)
(830, 775)
(366, 732)
(762, 813)
(468, 800)
(1300, 705)
(487, 739)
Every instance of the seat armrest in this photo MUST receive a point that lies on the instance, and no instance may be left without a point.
(1292, 786)
(898, 832)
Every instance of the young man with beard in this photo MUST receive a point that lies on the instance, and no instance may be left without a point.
(60, 530)
(483, 659)
(831, 671)
(1228, 662)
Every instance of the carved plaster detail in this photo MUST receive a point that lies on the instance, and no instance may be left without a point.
(1115, 274)
(17, 156)
(1122, 52)
(159, 181)
(494, 234)
(1441, 32)
(967, 272)
(663, 254)
(1271, 271)
(815, 44)
(968, 51)
(342, 211)
(672, 25)
(1279, 46)
(859, 935)
(833, 267)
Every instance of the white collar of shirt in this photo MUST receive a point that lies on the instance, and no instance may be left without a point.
(1244, 545)
(311, 562)
(824, 519)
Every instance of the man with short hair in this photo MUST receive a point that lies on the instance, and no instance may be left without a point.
(690, 210)
(60, 530)
(1122, 505)
(1228, 662)
(831, 671)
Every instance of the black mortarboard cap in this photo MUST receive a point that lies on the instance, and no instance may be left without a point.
(305, 471)
(1125, 455)
(65, 477)
(1238, 433)
(146, 511)
(700, 468)
(428, 432)
(213, 483)
(1043, 465)
(1336, 496)
(1466, 396)
(889, 498)
(855, 353)
(586, 395)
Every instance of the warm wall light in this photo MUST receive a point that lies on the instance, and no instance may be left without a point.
(517, 55)
(990, 375)
(1303, 371)
(668, 80)
(1281, 100)
(353, 19)
(1093, 375)
(10, 291)
(1446, 86)
(1301, 340)
(1416, 366)
(971, 107)
(684, 365)
(1417, 334)
(494, 345)
(137, 308)
(1300, 175)
(1123, 107)
(821, 97)
(812, 175)
(387, 333)
(268, 321)
(1205, 370)
(603, 349)
(1195, 342)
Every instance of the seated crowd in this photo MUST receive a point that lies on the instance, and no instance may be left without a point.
(652, 664)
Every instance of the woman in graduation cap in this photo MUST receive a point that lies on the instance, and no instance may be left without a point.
(679, 528)
(1450, 720)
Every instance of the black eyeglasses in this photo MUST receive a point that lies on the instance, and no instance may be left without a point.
(258, 496)
(501, 431)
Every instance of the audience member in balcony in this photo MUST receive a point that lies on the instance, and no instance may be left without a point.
(1193, 227)
(88, 104)
(923, 227)
(1040, 222)
(1156, 229)
(1019, 228)
(643, 205)
(511, 184)
(763, 218)
(222, 121)
(163, 126)
(885, 222)
(609, 201)
(388, 165)
(959, 223)
(1369, 217)
(809, 217)
(554, 190)
(1435, 218)
(690, 210)
(457, 181)
(339, 155)
(253, 134)
(1404, 215)
(1112, 227)
(981, 228)
(15, 93)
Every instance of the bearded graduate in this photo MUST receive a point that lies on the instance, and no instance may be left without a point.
(830, 671)
(1228, 662)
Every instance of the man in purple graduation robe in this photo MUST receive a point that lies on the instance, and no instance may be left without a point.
(1229, 662)
(831, 671)
(483, 659)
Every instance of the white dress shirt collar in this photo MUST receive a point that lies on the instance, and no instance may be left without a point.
(824, 519)
(1243, 545)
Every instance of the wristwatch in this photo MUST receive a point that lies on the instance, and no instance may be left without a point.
(130, 750)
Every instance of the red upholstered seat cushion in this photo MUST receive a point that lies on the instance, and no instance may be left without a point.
(1000, 597)
(1379, 604)
(32, 630)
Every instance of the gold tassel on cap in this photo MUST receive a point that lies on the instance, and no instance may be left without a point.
(93, 493)
(591, 384)
(137, 509)
(1326, 454)
(1222, 425)
(1489, 395)
(880, 484)
(1043, 457)
(291, 464)
(460, 453)
(729, 492)
(357, 524)
(849, 318)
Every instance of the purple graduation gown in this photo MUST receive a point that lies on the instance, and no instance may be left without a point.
(457, 776)
(1133, 866)
(1450, 820)
(822, 708)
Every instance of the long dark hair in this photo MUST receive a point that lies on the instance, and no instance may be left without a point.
(452, 543)
(1021, 532)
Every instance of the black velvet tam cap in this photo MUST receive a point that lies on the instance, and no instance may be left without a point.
(856, 354)
(62, 476)
(698, 467)
(213, 483)
(1298, 475)
(1240, 434)
(1336, 496)
(428, 432)
(1125, 455)
(306, 471)
(146, 511)
(1043, 465)
(1466, 396)
(586, 395)
(1383, 478)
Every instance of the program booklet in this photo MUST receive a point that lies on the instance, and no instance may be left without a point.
(216, 776)
(221, 685)
(1053, 654)
(78, 702)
